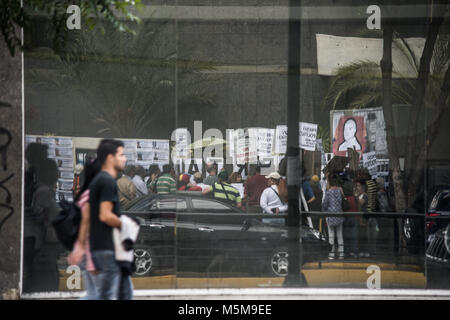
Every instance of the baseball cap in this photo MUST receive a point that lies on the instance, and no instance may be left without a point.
(274, 175)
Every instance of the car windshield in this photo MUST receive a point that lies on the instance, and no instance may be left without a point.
(169, 204)
(205, 204)
(444, 201)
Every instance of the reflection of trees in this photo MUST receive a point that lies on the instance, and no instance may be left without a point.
(126, 83)
(362, 85)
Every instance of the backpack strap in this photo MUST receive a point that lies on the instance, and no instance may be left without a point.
(226, 194)
(277, 194)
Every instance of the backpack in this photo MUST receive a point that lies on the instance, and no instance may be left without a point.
(67, 223)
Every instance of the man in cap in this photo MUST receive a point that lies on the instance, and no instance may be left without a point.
(224, 191)
(270, 201)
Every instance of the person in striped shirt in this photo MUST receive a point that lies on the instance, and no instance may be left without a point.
(166, 183)
(224, 191)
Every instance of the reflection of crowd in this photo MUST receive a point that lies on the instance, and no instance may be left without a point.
(136, 182)
(354, 192)
(355, 236)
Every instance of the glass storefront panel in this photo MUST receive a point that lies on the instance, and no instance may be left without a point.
(200, 96)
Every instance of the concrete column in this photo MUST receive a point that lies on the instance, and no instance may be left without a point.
(10, 172)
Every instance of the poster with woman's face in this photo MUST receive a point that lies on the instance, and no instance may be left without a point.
(350, 133)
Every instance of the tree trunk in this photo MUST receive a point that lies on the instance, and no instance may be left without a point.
(386, 69)
(413, 150)
(431, 133)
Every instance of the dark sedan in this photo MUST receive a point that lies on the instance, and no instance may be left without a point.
(190, 233)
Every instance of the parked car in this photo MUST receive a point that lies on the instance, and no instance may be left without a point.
(415, 228)
(437, 259)
(188, 232)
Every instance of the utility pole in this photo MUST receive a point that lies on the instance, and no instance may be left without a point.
(294, 279)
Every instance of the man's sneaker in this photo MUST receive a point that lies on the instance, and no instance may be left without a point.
(331, 256)
(341, 256)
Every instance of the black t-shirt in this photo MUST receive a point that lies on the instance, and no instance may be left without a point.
(102, 188)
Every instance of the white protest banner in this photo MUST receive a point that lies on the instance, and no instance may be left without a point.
(181, 143)
(308, 135)
(264, 142)
(370, 162)
(281, 139)
(242, 146)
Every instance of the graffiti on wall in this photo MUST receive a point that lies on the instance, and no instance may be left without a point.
(6, 210)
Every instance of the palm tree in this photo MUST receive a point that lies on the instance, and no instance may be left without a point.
(359, 85)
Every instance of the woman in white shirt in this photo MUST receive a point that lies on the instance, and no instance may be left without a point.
(270, 201)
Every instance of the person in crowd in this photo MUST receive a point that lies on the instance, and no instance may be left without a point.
(385, 225)
(307, 191)
(77, 178)
(361, 196)
(382, 196)
(236, 181)
(41, 246)
(305, 198)
(352, 222)
(372, 225)
(166, 183)
(224, 191)
(154, 173)
(212, 178)
(127, 189)
(316, 205)
(198, 181)
(271, 202)
(236, 177)
(253, 189)
(111, 283)
(138, 180)
(81, 253)
(333, 203)
(184, 183)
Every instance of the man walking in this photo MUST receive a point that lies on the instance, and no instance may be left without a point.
(109, 281)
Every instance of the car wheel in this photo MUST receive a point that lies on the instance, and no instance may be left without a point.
(143, 261)
(279, 260)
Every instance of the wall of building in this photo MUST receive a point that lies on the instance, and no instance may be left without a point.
(10, 172)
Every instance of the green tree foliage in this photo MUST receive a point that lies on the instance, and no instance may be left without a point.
(14, 16)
